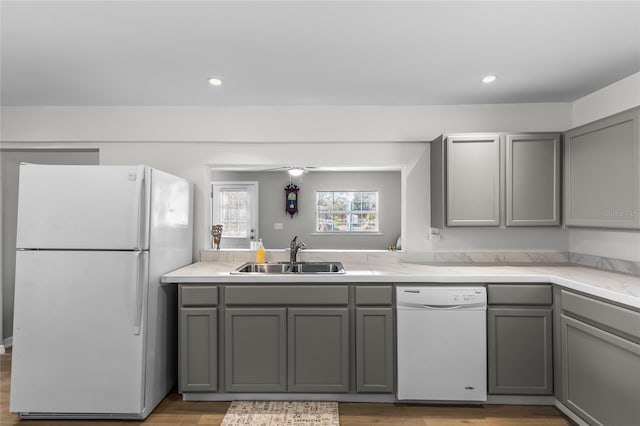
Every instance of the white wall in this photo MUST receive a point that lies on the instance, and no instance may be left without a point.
(274, 123)
(183, 140)
(617, 97)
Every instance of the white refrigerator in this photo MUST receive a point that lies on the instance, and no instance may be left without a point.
(94, 330)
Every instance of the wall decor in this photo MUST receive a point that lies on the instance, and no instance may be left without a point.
(216, 232)
(291, 199)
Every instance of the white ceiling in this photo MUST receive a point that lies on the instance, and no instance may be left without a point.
(313, 52)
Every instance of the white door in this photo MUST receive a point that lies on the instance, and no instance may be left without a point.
(82, 207)
(78, 343)
(234, 205)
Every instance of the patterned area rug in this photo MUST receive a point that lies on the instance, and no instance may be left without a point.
(280, 413)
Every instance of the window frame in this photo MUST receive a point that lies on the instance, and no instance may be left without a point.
(318, 212)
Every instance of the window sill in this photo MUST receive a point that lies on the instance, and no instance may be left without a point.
(373, 234)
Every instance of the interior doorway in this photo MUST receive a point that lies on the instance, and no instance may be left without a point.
(10, 160)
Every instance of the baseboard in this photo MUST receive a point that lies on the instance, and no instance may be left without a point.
(206, 396)
(521, 399)
(573, 416)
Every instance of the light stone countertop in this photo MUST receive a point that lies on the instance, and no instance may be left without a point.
(616, 287)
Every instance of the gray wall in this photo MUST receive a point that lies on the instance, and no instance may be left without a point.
(272, 206)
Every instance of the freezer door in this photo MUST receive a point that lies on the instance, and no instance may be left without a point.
(78, 342)
(82, 207)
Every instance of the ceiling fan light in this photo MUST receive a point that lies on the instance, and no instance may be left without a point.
(489, 79)
(296, 171)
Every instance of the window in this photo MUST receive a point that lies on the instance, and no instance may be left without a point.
(347, 211)
(234, 212)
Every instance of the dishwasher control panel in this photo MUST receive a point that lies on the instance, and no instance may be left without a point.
(465, 297)
(438, 296)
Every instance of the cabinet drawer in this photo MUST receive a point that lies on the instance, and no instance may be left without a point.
(519, 294)
(611, 316)
(311, 294)
(373, 295)
(195, 295)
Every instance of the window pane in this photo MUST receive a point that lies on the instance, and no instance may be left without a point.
(325, 201)
(234, 212)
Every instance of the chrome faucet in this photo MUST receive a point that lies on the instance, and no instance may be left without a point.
(295, 246)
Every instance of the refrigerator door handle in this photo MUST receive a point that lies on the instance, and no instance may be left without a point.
(139, 284)
(140, 200)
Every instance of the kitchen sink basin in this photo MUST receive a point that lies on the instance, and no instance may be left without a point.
(288, 268)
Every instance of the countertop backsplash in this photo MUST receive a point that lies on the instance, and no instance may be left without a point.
(606, 263)
(448, 257)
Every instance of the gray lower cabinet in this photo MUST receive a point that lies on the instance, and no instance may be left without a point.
(275, 338)
(520, 351)
(255, 350)
(286, 350)
(602, 172)
(374, 350)
(600, 361)
(286, 338)
(520, 339)
(374, 336)
(198, 335)
(318, 349)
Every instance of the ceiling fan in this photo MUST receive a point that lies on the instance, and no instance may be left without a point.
(293, 171)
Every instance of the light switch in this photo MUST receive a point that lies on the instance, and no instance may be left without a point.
(277, 226)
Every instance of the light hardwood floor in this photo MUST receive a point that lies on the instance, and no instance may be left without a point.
(174, 411)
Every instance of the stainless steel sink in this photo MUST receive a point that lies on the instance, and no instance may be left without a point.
(288, 268)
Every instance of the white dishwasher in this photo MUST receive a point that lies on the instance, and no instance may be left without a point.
(442, 344)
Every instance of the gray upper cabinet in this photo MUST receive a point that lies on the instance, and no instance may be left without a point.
(602, 173)
(533, 179)
(473, 180)
(477, 182)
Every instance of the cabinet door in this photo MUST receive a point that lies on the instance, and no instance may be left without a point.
(374, 350)
(198, 353)
(602, 173)
(533, 179)
(601, 372)
(473, 180)
(520, 351)
(318, 350)
(255, 350)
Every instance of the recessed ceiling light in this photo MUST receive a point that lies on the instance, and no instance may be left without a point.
(215, 82)
(489, 79)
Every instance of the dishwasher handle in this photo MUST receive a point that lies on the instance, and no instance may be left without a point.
(441, 307)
